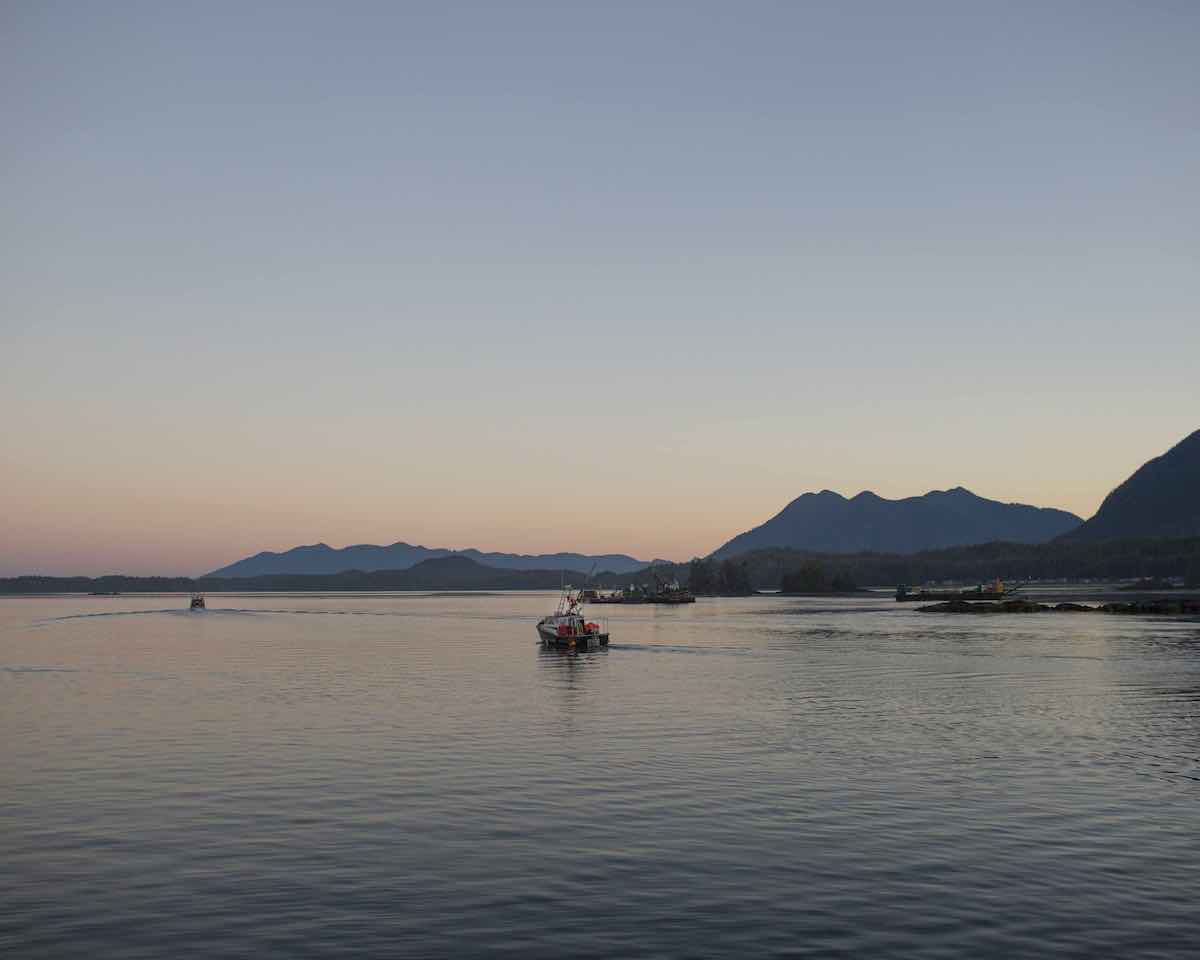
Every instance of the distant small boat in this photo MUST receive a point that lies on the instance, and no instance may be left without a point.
(567, 627)
(197, 602)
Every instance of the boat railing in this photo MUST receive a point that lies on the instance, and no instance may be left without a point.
(601, 623)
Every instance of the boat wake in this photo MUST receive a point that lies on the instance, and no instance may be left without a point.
(678, 648)
(38, 670)
(170, 611)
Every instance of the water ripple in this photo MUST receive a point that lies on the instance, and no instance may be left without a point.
(412, 776)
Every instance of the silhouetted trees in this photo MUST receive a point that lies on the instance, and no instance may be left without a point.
(702, 576)
(730, 577)
(979, 563)
(812, 578)
(735, 577)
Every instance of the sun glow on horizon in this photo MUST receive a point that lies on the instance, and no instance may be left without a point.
(623, 283)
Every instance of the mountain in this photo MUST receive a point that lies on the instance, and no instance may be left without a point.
(320, 558)
(1160, 500)
(827, 522)
(454, 572)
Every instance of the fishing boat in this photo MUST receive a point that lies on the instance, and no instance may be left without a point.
(197, 602)
(567, 626)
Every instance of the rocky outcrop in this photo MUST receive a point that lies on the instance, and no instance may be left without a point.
(1158, 606)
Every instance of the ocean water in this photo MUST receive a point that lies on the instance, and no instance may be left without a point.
(413, 776)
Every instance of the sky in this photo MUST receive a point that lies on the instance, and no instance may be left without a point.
(566, 276)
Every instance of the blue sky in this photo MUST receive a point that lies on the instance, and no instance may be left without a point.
(568, 276)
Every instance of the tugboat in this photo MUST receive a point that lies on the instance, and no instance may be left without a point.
(566, 626)
(197, 602)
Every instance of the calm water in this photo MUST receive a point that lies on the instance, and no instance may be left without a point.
(296, 776)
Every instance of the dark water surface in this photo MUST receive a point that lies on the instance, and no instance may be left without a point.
(299, 776)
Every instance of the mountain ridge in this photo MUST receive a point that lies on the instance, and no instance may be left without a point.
(321, 558)
(1160, 499)
(828, 522)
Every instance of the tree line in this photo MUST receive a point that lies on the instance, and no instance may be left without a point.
(809, 572)
(728, 578)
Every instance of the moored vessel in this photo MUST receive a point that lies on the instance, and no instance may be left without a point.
(991, 591)
(197, 602)
(602, 596)
(663, 591)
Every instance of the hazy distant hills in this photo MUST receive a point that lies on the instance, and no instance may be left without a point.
(454, 572)
(1160, 500)
(320, 558)
(827, 522)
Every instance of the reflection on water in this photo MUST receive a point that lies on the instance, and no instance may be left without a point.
(399, 776)
(567, 660)
(568, 675)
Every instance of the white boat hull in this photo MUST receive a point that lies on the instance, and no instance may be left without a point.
(548, 632)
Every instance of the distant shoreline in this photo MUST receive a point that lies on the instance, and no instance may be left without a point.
(1048, 563)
